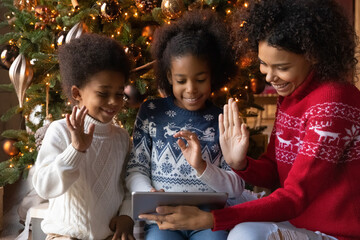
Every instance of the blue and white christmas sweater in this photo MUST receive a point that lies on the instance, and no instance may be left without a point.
(157, 161)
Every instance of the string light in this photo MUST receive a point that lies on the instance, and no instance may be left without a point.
(246, 4)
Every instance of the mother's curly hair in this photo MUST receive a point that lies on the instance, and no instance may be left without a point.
(88, 55)
(200, 33)
(318, 29)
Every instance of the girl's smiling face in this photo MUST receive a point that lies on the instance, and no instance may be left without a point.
(284, 70)
(190, 78)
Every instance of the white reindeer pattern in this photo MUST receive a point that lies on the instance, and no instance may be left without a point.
(283, 143)
(326, 135)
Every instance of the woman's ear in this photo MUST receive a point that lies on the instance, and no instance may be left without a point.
(75, 93)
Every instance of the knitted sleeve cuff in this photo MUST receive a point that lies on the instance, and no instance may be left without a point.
(72, 157)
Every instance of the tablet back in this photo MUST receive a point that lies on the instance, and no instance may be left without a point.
(146, 202)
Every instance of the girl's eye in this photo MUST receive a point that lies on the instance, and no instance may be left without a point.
(181, 81)
(120, 95)
(201, 80)
(102, 94)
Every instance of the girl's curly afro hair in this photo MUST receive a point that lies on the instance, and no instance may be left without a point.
(318, 29)
(88, 55)
(200, 33)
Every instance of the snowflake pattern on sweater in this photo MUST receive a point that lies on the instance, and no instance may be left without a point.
(156, 153)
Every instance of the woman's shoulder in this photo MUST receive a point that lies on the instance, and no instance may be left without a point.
(337, 92)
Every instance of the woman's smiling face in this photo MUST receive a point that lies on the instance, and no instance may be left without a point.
(284, 70)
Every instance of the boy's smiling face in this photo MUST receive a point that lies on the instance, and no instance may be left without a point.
(102, 95)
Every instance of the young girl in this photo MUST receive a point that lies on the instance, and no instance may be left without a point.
(80, 166)
(306, 51)
(194, 58)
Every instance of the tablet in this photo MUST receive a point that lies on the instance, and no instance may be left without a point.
(146, 202)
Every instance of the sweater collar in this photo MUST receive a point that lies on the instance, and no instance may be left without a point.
(100, 128)
(304, 89)
(171, 102)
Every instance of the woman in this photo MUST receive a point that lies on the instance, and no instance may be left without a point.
(306, 51)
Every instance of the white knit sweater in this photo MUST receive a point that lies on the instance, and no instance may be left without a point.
(85, 190)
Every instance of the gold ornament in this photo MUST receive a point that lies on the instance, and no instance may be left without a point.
(172, 9)
(8, 55)
(76, 31)
(146, 6)
(21, 75)
(110, 10)
(25, 4)
(9, 148)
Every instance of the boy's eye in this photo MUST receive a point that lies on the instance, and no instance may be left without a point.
(283, 68)
(120, 95)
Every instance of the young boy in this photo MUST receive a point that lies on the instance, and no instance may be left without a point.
(80, 166)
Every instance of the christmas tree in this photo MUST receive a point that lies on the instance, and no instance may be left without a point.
(29, 52)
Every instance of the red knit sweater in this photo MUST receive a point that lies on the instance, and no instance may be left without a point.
(314, 159)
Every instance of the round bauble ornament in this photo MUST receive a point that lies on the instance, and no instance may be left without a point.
(21, 75)
(25, 4)
(9, 148)
(8, 55)
(133, 52)
(172, 9)
(60, 38)
(257, 85)
(76, 31)
(133, 96)
(146, 6)
(109, 10)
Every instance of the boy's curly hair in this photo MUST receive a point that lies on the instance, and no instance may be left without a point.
(200, 33)
(318, 29)
(88, 55)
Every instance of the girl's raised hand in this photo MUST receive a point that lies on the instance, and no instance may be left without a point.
(191, 151)
(234, 137)
(75, 123)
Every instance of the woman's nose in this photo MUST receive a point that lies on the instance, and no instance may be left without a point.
(270, 76)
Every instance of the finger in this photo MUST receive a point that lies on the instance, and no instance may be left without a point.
(225, 119)
(245, 132)
(124, 236)
(181, 144)
(183, 133)
(166, 210)
(221, 124)
(230, 112)
(84, 113)
(152, 217)
(80, 115)
(153, 190)
(73, 116)
(131, 237)
(115, 237)
(68, 123)
(236, 118)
